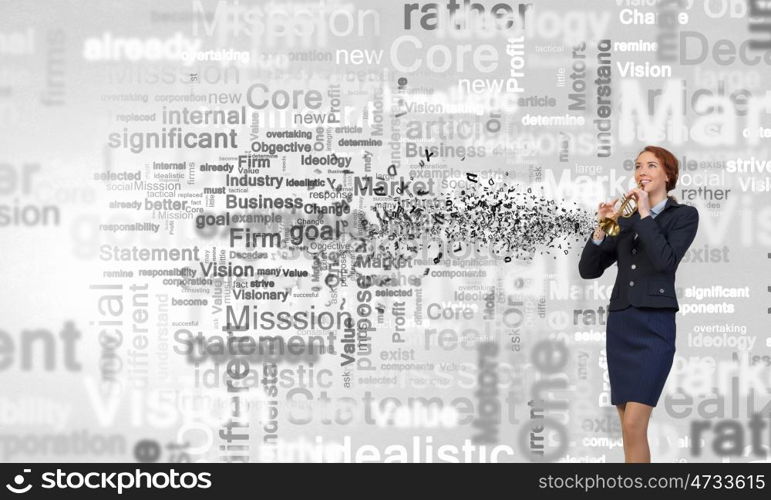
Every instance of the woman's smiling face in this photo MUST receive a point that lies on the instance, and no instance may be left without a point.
(649, 171)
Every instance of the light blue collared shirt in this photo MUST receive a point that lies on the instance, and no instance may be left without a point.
(654, 212)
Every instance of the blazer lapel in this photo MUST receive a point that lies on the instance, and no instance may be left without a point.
(628, 222)
(670, 203)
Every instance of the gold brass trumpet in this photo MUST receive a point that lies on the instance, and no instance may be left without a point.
(627, 209)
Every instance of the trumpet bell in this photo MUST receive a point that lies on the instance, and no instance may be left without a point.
(610, 227)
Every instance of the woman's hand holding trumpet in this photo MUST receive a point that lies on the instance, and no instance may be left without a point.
(604, 210)
(643, 202)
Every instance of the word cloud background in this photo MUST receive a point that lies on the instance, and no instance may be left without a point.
(350, 231)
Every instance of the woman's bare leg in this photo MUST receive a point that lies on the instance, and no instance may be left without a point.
(634, 428)
(620, 409)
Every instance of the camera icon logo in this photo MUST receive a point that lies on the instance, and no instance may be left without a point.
(19, 480)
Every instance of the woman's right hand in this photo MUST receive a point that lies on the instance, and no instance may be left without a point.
(605, 210)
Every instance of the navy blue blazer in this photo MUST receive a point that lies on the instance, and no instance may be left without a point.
(646, 264)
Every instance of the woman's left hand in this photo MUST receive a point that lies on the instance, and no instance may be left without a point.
(643, 202)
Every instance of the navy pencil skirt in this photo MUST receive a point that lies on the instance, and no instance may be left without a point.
(640, 347)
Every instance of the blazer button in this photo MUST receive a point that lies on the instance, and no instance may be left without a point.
(634, 251)
(661, 290)
(634, 266)
(631, 283)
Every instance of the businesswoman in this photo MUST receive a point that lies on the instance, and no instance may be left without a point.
(640, 332)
